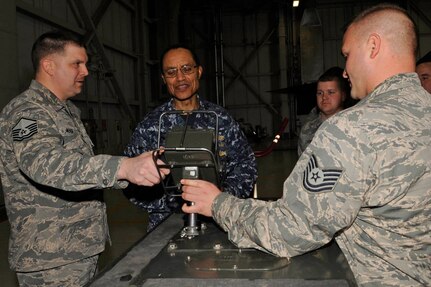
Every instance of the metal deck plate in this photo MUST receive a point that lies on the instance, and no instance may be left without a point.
(210, 259)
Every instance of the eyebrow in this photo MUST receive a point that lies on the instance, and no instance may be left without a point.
(182, 65)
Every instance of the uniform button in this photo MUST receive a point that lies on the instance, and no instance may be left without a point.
(105, 181)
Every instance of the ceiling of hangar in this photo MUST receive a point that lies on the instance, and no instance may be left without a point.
(245, 6)
(249, 6)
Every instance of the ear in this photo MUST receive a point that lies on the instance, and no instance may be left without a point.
(163, 79)
(47, 66)
(373, 45)
(200, 70)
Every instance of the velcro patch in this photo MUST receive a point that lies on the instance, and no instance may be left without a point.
(318, 180)
(24, 129)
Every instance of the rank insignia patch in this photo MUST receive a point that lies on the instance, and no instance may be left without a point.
(24, 129)
(318, 180)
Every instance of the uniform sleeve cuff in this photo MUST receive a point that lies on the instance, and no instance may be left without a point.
(218, 206)
(114, 164)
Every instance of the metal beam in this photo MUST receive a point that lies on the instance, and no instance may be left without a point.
(256, 93)
(239, 72)
(420, 13)
(244, 64)
(127, 5)
(100, 11)
(97, 17)
(45, 17)
(28, 9)
(98, 45)
(239, 75)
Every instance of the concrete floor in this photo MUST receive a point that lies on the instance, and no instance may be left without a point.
(128, 224)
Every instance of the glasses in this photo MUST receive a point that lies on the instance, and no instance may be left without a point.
(185, 69)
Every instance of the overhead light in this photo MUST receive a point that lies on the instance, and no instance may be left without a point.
(295, 3)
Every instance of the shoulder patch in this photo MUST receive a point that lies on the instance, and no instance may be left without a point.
(24, 129)
(318, 180)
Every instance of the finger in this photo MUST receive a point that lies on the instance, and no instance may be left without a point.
(165, 171)
(189, 208)
(152, 178)
(191, 182)
(193, 195)
(193, 189)
(160, 162)
(153, 170)
(146, 183)
(185, 195)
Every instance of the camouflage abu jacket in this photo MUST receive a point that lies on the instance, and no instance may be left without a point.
(50, 179)
(308, 130)
(365, 179)
(239, 170)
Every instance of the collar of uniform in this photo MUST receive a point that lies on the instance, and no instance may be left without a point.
(393, 83)
(202, 105)
(47, 96)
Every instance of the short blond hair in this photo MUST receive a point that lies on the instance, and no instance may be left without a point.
(402, 34)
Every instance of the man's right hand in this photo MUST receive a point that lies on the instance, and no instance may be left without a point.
(141, 170)
(201, 193)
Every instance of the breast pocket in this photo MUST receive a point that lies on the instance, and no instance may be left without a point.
(72, 137)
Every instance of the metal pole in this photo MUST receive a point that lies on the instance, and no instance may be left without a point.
(216, 60)
(223, 103)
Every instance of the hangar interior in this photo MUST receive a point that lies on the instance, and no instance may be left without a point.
(260, 59)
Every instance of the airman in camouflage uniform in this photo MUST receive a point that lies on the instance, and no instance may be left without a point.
(332, 96)
(51, 179)
(423, 68)
(364, 180)
(311, 125)
(239, 171)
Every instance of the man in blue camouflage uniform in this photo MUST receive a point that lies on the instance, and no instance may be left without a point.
(365, 179)
(181, 72)
(51, 178)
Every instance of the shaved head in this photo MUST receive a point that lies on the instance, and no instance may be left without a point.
(391, 22)
(378, 44)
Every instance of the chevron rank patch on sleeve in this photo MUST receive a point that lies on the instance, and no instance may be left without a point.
(319, 180)
(24, 129)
